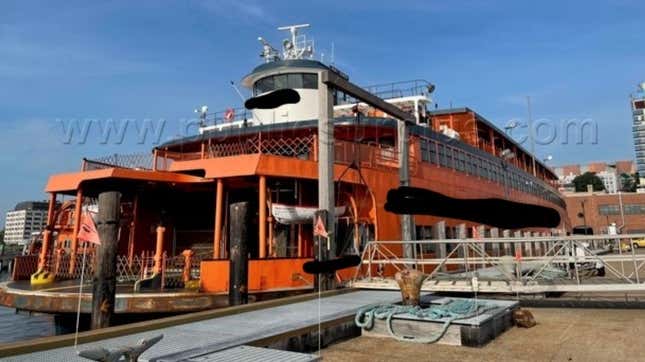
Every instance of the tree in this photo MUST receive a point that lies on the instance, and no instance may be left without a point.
(588, 178)
(628, 182)
(2, 236)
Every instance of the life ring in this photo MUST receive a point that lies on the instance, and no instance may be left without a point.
(229, 114)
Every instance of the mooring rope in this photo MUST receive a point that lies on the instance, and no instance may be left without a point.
(454, 309)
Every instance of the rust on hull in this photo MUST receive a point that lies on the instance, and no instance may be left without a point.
(65, 300)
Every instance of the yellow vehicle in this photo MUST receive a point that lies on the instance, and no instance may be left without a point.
(636, 243)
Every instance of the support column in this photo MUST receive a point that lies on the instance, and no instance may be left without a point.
(159, 250)
(104, 280)
(78, 210)
(407, 221)
(494, 233)
(219, 202)
(133, 229)
(481, 233)
(461, 234)
(538, 245)
(326, 164)
(262, 216)
(439, 233)
(47, 234)
(528, 247)
(507, 246)
(518, 246)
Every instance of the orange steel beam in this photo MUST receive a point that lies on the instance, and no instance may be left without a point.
(159, 249)
(42, 259)
(78, 209)
(217, 238)
(263, 217)
(66, 182)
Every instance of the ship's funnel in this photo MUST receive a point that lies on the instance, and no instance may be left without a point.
(273, 99)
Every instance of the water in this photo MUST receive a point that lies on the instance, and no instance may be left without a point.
(19, 327)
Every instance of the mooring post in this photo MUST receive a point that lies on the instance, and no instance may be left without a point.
(238, 266)
(323, 250)
(104, 281)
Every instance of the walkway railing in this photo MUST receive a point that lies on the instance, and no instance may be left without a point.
(524, 265)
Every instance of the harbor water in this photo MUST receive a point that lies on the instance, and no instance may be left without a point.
(23, 326)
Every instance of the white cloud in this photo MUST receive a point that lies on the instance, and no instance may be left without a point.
(239, 10)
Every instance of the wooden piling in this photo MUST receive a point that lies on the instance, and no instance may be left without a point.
(104, 281)
(323, 250)
(238, 266)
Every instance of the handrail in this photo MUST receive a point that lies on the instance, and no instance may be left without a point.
(521, 262)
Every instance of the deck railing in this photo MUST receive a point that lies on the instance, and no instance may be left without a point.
(522, 264)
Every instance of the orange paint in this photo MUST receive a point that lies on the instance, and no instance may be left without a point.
(262, 205)
(78, 208)
(214, 276)
(217, 241)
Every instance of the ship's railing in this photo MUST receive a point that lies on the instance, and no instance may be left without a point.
(298, 147)
(496, 170)
(24, 266)
(143, 161)
(592, 263)
(303, 147)
(228, 115)
(408, 88)
(370, 155)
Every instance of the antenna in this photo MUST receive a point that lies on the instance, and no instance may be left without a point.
(238, 91)
(294, 48)
(332, 53)
(293, 29)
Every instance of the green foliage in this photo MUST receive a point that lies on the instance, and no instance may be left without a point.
(628, 182)
(588, 178)
(2, 236)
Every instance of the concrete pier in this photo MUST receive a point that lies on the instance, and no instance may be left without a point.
(261, 324)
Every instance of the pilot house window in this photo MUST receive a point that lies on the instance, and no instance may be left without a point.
(281, 81)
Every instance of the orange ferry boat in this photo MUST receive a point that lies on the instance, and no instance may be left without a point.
(175, 201)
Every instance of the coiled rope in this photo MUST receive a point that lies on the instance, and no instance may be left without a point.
(454, 309)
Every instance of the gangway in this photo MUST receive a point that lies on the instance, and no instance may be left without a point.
(517, 265)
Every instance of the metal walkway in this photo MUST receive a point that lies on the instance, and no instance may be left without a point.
(192, 340)
(523, 265)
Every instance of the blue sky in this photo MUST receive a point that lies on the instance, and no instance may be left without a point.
(578, 60)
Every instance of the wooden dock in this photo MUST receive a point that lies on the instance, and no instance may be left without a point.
(258, 324)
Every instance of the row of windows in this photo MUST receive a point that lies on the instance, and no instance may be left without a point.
(281, 81)
(628, 209)
(438, 153)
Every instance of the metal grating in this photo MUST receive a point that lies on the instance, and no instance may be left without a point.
(252, 354)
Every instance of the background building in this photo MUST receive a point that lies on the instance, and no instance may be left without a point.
(599, 210)
(609, 172)
(26, 218)
(638, 129)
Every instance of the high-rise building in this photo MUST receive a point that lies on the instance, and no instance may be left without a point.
(638, 130)
(25, 219)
